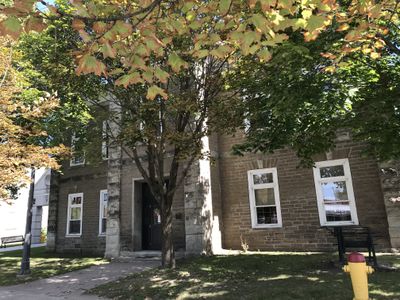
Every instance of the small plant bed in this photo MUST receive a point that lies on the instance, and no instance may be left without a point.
(43, 264)
(252, 276)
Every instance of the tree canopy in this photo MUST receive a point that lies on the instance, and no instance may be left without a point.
(22, 109)
(135, 32)
(292, 102)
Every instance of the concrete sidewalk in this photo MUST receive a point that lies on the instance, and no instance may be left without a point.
(72, 285)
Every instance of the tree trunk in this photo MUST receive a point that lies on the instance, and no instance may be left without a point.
(168, 253)
(26, 253)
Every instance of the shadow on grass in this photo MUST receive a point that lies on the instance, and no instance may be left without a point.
(43, 264)
(257, 276)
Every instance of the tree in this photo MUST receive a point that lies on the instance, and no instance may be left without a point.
(292, 102)
(22, 109)
(163, 138)
(146, 46)
(137, 31)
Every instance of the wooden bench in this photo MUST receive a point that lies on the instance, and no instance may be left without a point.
(354, 237)
(11, 240)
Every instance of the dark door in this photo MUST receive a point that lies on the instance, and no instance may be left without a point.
(151, 227)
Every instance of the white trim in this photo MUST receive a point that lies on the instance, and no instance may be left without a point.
(72, 162)
(349, 186)
(101, 210)
(70, 196)
(252, 188)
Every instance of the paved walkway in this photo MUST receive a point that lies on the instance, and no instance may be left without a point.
(72, 285)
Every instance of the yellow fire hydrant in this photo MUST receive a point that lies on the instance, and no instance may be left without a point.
(358, 270)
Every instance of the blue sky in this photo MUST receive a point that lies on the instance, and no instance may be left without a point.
(42, 7)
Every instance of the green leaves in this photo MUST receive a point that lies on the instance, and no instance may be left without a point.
(224, 6)
(89, 64)
(153, 91)
(11, 26)
(176, 62)
(128, 79)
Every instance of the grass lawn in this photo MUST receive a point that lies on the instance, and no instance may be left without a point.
(253, 276)
(43, 264)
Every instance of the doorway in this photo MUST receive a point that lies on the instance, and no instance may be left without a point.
(151, 221)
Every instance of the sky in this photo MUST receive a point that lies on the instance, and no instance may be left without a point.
(42, 7)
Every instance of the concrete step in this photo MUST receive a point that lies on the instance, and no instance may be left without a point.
(129, 256)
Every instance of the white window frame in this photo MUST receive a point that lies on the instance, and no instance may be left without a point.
(349, 186)
(72, 162)
(253, 187)
(70, 206)
(105, 141)
(101, 210)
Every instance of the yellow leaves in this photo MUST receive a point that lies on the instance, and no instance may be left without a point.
(154, 90)
(343, 27)
(307, 13)
(330, 69)
(89, 64)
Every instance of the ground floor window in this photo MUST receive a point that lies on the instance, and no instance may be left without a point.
(103, 212)
(74, 217)
(264, 198)
(334, 189)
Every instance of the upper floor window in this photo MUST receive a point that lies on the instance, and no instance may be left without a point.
(334, 189)
(103, 212)
(74, 214)
(76, 159)
(264, 198)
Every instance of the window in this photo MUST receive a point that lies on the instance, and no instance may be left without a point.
(264, 198)
(105, 141)
(103, 212)
(335, 194)
(76, 160)
(74, 218)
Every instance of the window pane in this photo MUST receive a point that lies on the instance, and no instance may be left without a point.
(337, 212)
(265, 196)
(266, 215)
(103, 225)
(333, 171)
(74, 227)
(263, 178)
(76, 200)
(104, 215)
(75, 213)
(334, 191)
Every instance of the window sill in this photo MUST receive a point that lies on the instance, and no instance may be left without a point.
(333, 224)
(73, 235)
(76, 165)
(267, 226)
(102, 235)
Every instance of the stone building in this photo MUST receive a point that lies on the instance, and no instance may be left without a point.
(265, 201)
